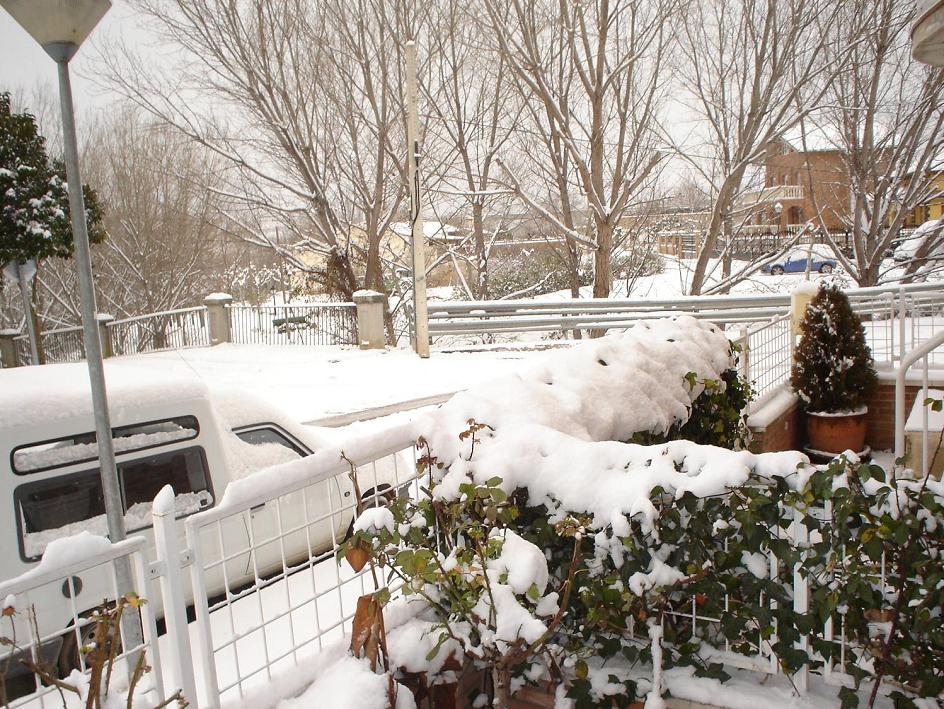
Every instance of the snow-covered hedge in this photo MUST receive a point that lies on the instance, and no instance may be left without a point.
(548, 548)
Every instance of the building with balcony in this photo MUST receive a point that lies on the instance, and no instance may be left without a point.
(798, 185)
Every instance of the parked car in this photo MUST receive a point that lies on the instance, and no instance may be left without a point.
(796, 262)
(166, 430)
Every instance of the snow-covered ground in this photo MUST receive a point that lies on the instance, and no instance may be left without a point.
(308, 383)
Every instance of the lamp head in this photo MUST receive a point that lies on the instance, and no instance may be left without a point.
(59, 26)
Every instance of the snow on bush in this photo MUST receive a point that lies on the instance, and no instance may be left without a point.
(546, 550)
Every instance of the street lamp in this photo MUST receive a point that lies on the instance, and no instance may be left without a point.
(60, 26)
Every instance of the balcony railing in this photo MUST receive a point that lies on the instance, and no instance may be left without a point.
(771, 195)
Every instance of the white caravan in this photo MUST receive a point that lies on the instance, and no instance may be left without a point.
(166, 430)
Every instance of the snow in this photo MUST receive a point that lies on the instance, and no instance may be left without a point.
(410, 644)
(756, 563)
(915, 420)
(137, 517)
(374, 519)
(37, 396)
(218, 298)
(306, 383)
(69, 550)
(522, 562)
(66, 452)
(349, 682)
(570, 412)
(806, 288)
(654, 697)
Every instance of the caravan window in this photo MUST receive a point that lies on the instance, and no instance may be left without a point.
(83, 447)
(69, 504)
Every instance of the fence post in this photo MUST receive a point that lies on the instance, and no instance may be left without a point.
(902, 313)
(218, 317)
(799, 299)
(370, 319)
(175, 607)
(8, 348)
(745, 355)
(800, 536)
(208, 679)
(104, 333)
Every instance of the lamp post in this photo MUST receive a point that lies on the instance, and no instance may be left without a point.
(60, 27)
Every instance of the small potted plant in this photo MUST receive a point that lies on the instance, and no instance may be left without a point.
(833, 373)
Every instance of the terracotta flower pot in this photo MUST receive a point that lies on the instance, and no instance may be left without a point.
(835, 433)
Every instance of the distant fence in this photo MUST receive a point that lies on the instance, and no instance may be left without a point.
(309, 324)
(170, 330)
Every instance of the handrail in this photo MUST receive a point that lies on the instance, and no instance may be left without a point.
(164, 313)
(909, 359)
(456, 308)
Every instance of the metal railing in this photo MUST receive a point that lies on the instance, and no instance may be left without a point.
(520, 316)
(267, 558)
(64, 344)
(48, 616)
(169, 330)
(766, 354)
(309, 324)
(23, 354)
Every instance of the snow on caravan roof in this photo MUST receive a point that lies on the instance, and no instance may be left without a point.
(56, 392)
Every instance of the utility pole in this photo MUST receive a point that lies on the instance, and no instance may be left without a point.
(420, 317)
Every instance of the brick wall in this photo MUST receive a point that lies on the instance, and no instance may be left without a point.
(788, 431)
(783, 433)
(881, 418)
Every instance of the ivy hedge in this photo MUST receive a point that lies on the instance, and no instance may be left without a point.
(710, 573)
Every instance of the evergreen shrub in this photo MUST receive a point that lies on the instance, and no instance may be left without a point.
(832, 369)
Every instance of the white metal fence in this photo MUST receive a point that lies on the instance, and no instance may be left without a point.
(267, 562)
(61, 626)
(766, 354)
(308, 324)
(170, 330)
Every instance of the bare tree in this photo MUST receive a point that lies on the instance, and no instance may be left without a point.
(472, 113)
(884, 113)
(596, 70)
(284, 93)
(751, 69)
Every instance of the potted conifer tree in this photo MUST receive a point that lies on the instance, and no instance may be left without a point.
(833, 373)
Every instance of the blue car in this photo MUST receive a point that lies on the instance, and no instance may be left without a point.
(796, 261)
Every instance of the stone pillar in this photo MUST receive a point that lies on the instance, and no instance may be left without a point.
(218, 317)
(8, 348)
(104, 333)
(799, 299)
(370, 319)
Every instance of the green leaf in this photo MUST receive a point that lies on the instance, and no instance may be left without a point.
(533, 592)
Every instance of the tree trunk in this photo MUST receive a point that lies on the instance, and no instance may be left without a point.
(602, 262)
(481, 255)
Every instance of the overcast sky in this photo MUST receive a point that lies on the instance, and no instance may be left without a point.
(24, 65)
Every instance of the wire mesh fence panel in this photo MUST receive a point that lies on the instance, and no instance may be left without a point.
(171, 330)
(63, 615)
(924, 318)
(768, 355)
(277, 593)
(63, 345)
(308, 324)
(22, 345)
(879, 316)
